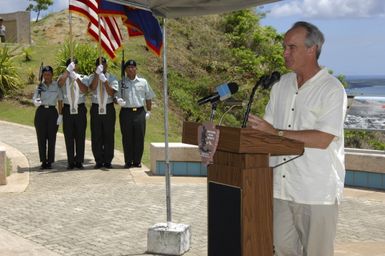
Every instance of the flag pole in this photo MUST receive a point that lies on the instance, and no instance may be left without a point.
(100, 59)
(70, 24)
(165, 111)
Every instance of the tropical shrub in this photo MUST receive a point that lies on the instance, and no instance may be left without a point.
(9, 78)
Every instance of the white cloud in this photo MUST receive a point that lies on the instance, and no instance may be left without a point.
(330, 8)
(21, 5)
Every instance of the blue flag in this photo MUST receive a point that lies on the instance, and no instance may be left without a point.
(138, 22)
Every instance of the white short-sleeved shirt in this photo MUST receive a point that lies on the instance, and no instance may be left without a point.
(48, 94)
(317, 177)
(135, 92)
(112, 81)
(82, 96)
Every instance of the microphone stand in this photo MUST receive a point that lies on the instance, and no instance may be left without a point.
(246, 116)
(213, 110)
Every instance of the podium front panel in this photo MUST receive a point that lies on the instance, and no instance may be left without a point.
(224, 220)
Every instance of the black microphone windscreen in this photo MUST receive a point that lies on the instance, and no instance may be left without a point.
(233, 87)
(275, 76)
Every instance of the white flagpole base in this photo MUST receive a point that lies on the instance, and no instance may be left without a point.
(168, 239)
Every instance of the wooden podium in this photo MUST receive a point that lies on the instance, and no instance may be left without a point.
(240, 189)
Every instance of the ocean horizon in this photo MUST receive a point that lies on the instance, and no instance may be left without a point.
(367, 110)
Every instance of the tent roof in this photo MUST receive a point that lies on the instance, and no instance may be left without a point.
(180, 8)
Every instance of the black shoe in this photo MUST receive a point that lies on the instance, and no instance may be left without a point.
(79, 165)
(48, 165)
(128, 165)
(108, 165)
(70, 166)
(42, 166)
(98, 166)
(137, 165)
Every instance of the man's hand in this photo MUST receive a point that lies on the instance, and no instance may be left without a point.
(37, 102)
(71, 67)
(260, 124)
(73, 75)
(121, 102)
(99, 69)
(148, 114)
(102, 78)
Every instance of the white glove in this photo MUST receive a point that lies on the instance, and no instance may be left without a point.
(73, 75)
(148, 114)
(71, 67)
(37, 102)
(121, 102)
(99, 69)
(102, 77)
(59, 120)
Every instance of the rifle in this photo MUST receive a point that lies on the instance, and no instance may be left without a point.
(122, 75)
(40, 88)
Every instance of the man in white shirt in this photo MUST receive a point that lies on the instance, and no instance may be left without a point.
(307, 105)
(2, 30)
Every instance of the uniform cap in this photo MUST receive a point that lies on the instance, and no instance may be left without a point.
(130, 63)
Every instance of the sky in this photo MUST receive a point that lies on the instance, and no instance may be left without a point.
(354, 29)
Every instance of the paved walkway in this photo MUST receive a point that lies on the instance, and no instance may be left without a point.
(108, 212)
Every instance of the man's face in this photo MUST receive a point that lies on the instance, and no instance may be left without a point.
(296, 54)
(131, 71)
(47, 75)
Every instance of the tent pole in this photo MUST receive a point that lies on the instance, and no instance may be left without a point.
(166, 149)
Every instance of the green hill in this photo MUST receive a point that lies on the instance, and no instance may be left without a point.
(202, 52)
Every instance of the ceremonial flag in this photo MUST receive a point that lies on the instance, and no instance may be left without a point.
(138, 22)
(110, 36)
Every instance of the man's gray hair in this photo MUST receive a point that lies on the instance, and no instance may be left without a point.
(313, 37)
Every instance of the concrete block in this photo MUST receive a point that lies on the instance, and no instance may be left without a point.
(178, 152)
(3, 167)
(171, 239)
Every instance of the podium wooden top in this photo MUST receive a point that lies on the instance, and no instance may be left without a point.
(245, 140)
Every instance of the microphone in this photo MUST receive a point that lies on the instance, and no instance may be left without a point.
(266, 82)
(223, 92)
(274, 77)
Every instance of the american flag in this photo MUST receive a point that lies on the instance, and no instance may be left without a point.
(111, 38)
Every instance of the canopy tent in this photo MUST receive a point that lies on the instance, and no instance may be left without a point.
(181, 8)
(175, 9)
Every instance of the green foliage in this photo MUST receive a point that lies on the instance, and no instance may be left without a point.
(86, 54)
(39, 6)
(257, 50)
(9, 78)
(27, 53)
(364, 139)
(31, 77)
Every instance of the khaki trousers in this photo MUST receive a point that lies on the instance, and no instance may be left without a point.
(304, 230)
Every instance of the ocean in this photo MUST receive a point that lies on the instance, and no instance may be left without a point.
(366, 103)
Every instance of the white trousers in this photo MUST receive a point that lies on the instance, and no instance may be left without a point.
(304, 230)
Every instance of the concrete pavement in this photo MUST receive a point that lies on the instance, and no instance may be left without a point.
(108, 212)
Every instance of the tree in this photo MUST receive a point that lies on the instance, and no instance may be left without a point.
(39, 5)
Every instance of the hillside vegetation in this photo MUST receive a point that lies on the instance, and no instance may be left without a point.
(202, 53)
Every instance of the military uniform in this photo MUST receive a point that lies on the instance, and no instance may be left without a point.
(74, 123)
(46, 120)
(103, 117)
(132, 119)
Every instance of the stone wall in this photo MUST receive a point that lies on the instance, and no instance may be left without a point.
(18, 27)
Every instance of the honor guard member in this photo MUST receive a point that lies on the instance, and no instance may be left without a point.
(103, 87)
(47, 95)
(134, 94)
(74, 114)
